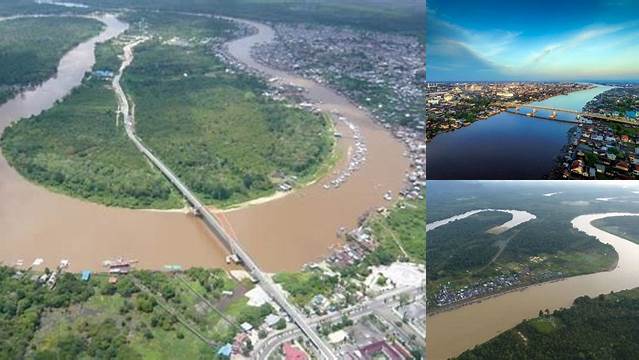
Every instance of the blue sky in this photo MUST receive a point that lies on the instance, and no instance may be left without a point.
(484, 40)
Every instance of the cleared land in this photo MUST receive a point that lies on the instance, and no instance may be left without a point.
(401, 233)
(606, 327)
(30, 49)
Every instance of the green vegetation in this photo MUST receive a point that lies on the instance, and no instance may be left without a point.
(606, 327)
(96, 319)
(401, 229)
(455, 248)
(15, 7)
(465, 254)
(303, 286)
(626, 227)
(80, 148)
(22, 303)
(384, 16)
(215, 129)
(30, 49)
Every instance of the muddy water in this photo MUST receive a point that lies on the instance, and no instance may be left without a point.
(282, 234)
(285, 233)
(35, 222)
(452, 332)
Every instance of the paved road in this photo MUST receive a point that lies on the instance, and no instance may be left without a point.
(264, 349)
(269, 287)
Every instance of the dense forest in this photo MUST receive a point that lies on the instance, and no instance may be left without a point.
(463, 254)
(30, 49)
(100, 320)
(215, 129)
(78, 148)
(603, 328)
(626, 227)
(407, 16)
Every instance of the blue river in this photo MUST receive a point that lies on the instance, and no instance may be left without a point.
(506, 146)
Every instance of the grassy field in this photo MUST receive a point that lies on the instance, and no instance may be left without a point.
(605, 327)
(402, 232)
(303, 286)
(96, 319)
(31, 48)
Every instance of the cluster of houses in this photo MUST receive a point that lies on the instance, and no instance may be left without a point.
(447, 295)
(356, 159)
(380, 71)
(450, 106)
(416, 152)
(595, 151)
(353, 251)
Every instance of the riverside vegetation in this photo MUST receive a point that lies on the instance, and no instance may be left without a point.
(97, 319)
(389, 16)
(214, 127)
(78, 149)
(403, 226)
(623, 226)
(30, 49)
(463, 254)
(605, 327)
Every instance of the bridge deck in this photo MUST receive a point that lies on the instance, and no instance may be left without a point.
(580, 113)
(208, 218)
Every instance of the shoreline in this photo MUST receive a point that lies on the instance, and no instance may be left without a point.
(521, 287)
(518, 288)
(502, 110)
(86, 232)
(522, 303)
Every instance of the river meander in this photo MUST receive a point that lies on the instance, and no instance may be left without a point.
(282, 234)
(454, 331)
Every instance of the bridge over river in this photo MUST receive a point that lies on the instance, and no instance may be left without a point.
(516, 109)
(209, 219)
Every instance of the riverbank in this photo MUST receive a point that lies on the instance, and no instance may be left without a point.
(25, 35)
(304, 223)
(454, 331)
(528, 147)
(37, 223)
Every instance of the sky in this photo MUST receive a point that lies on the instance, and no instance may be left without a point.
(545, 40)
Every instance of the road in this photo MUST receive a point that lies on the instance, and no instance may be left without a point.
(275, 339)
(128, 114)
(580, 113)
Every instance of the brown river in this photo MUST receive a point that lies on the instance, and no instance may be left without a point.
(452, 332)
(281, 234)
